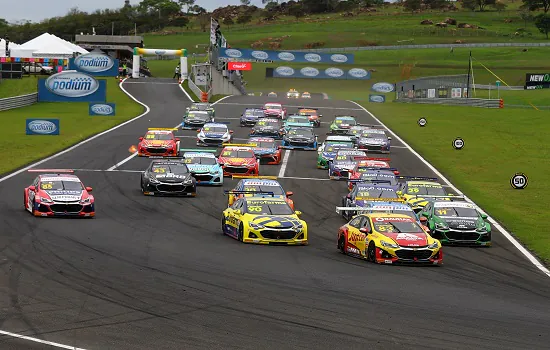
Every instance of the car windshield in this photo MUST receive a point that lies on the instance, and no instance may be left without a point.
(356, 131)
(197, 115)
(392, 180)
(345, 158)
(269, 208)
(297, 119)
(254, 113)
(169, 168)
(214, 129)
(200, 160)
(263, 144)
(277, 190)
(336, 147)
(307, 113)
(456, 212)
(155, 136)
(424, 189)
(301, 132)
(200, 107)
(233, 153)
(61, 185)
(348, 121)
(390, 226)
(267, 123)
(378, 134)
(270, 106)
(376, 193)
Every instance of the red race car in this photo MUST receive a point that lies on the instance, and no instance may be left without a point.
(369, 163)
(274, 110)
(266, 149)
(57, 192)
(312, 114)
(237, 159)
(159, 142)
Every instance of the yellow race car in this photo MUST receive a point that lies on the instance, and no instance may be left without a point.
(264, 221)
(419, 191)
(292, 93)
(387, 238)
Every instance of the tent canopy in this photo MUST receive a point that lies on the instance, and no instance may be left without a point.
(11, 46)
(47, 46)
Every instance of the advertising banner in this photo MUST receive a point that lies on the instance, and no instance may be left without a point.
(377, 98)
(42, 127)
(96, 64)
(239, 65)
(537, 81)
(314, 73)
(383, 87)
(285, 56)
(104, 109)
(72, 86)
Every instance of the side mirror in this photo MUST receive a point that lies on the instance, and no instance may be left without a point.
(365, 230)
(32, 188)
(389, 137)
(423, 218)
(230, 131)
(177, 139)
(141, 138)
(483, 216)
(289, 193)
(298, 213)
(88, 189)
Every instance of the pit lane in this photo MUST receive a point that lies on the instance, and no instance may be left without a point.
(154, 272)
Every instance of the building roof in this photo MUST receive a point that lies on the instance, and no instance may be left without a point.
(110, 39)
(107, 47)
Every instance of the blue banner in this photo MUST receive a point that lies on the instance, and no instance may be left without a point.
(71, 86)
(314, 73)
(42, 126)
(95, 64)
(286, 56)
(377, 98)
(104, 109)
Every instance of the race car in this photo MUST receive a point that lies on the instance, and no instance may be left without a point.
(297, 121)
(58, 192)
(388, 239)
(344, 161)
(336, 138)
(258, 186)
(396, 207)
(272, 94)
(169, 177)
(300, 138)
(342, 124)
(292, 93)
(363, 193)
(250, 116)
(203, 106)
(274, 110)
(204, 166)
(417, 191)
(214, 134)
(372, 175)
(356, 131)
(268, 127)
(306, 94)
(264, 221)
(369, 163)
(328, 152)
(193, 120)
(457, 223)
(265, 149)
(312, 114)
(239, 159)
(158, 142)
(374, 140)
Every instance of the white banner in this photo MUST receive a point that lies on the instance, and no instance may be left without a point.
(213, 27)
(431, 93)
(200, 80)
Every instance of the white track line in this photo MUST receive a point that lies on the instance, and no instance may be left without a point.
(36, 340)
(501, 229)
(110, 171)
(284, 163)
(152, 83)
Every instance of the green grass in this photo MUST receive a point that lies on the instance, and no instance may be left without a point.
(18, 149)
(16, 87)
(215, 98)
(498, 143)
(185, 86)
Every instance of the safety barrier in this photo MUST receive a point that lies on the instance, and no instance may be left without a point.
(204, 96)
(473, 102)
(196, 90)
(18, 101)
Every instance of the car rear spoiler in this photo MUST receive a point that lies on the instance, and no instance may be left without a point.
(249, 145)
(377, 168)
(248, 192)
(163, 129)
(57, 171)
(427, 196)
(198, 150)
(419, 178)
(400, 200)
(169, 157)
(376, 181)
(254, 177)
(371, 158)
(339, 210)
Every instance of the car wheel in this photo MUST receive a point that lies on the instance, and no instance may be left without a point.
(371, 252)
(342, 245)
(223, 225)
(241, 233)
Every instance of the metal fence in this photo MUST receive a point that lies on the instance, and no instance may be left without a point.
(18, 101)
(472, 102)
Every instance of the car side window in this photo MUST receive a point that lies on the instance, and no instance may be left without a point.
(36, 181)
(237, 204)
(428, 208)
(365, 224)
(356, 222)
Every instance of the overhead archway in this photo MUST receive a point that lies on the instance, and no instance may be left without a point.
(159, 52)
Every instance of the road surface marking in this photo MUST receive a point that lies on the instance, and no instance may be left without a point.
(284, 163)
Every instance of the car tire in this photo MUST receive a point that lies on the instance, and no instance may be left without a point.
(342, 245)
(371, 252)
(241, 233)
(223, 225)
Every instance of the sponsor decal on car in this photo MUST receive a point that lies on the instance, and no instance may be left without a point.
(72, 84)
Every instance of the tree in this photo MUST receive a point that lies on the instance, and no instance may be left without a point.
(469, 4)
(526, 16)
(534, 5)
(296, 10)
(163, 8)
(435, 4)
(245, 3)
(482, 4)
(542, 22)
(244, 18)
(228, 21)
(412, 5)
(499, 6)
(187, 3)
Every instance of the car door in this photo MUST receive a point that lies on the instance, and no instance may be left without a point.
(32, 194)
(233, 219)
(427, 212)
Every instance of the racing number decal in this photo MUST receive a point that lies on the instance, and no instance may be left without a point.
(46, 186)
(159, 170)
(385, 228)
(233, 221)
(414, 190)
(341, 158)
(442, 211)
(150, 137)
(226, 153)
(254, 209)
(188, 160)
(251, 189)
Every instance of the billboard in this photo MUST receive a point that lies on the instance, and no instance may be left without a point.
(285, 56)
(71, 86)
(537, 81)
(377, 98)
(383, 87)
(314, 73)
(42, 127)
(104, 109)
(239, 66)
(95, 64)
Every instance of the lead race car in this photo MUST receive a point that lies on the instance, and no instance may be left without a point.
(204, 166)
(374, 140)
(58, 192)
(159, 142)
(265, 149)
(203, 106)
(169, 177)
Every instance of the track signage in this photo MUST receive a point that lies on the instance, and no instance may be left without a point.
(537, 81)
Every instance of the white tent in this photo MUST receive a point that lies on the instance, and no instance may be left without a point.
(11, 46)
(47, 46)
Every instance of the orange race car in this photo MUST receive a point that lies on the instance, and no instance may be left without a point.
(312, 114)
(159, 142)
(238, 159)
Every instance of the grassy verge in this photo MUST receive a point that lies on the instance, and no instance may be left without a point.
(17, 87)
(215, 98)
(18, 149)
(185, 86)
(498, 143)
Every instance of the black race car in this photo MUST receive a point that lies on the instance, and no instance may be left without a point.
(250, 116)
(168, 177)
(268, 127)
(203, 106)
(196, 119)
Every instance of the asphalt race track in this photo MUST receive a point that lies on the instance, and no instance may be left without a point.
(156, 273)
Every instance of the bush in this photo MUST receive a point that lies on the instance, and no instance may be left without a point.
(228, 21)
(314, 45)
(244, 18)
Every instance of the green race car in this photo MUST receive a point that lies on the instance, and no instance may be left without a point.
(328, 152)
(342, 124)
(457, 223)
(202, 106)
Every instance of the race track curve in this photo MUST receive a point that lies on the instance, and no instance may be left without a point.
(156, 273)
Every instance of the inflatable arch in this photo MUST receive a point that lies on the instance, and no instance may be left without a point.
(159, 52)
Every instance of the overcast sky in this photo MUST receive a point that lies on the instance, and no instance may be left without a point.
(35, 10)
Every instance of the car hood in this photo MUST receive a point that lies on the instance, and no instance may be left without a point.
(346, 165)
(461, 223)
(171, 178)
(329, 155)
(201, 168)
(214, 134)
(264, 150)
(237, 161)
(277, 221)
(250, 117)
(156, 143)
(273, 111)
(196, 119)
(373, 140)
(408, 239)
(287, 124)
(299, 138)
(342, 126)
(64, 195)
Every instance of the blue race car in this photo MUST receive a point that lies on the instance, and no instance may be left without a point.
(343, 163)
(258, 186)
(266, 149)
(251, 116)
(297, 121)
(214, 134)
(328, 152)
(374, 140)
(365, 193)
(372, 175)
(204, 166)
(300, 138)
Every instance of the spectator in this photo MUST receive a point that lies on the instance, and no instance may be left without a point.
(177, 74)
